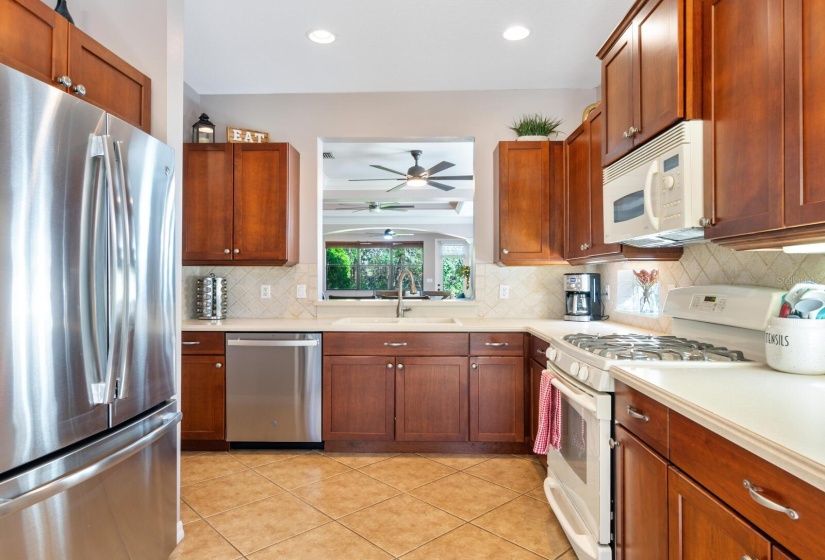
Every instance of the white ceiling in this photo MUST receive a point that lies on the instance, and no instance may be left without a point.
(260, 46)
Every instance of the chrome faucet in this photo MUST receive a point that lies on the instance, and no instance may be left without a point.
(401, 309)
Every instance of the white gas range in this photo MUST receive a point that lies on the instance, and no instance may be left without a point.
(578, 485)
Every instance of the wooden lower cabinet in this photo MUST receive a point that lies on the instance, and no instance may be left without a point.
(536, 370)
(431, 399)
(641, 499)
(496, 398)
(703, 527)
(203, 398)
(358, 398)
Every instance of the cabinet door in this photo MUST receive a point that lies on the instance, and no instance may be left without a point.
(207, 202)
(431, 399)
(203, 398)
(742, 68)
(659, 67)
(618, 94)
(536, 369)
(804, 112)
(700, 526)
(595, 122)
(358, 398)
(265, 211)
(496, 399)
(529, 203)
(641, 500)
(109, 82)
(33, 39)
(577, 193)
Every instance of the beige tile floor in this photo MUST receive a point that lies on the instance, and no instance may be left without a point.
(285, 505)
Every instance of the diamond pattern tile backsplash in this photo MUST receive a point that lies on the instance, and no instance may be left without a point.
(708, 263)
(535, 292)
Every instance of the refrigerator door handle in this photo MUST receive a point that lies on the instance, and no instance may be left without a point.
(93, 310)
(130, 267)
(9, 506)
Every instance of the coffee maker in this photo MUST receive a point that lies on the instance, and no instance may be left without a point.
(583, 296)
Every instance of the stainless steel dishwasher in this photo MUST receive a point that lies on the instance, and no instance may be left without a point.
(273, 387)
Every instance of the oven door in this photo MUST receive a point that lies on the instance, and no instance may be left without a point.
(631, 203)
(578, 483)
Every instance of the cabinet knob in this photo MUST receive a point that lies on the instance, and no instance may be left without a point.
(626, 134)
(633, 131)
(612, 443)
(64, 81)
(79, 89)
(584, 246)
(219, 365)
(705, 222)
(505, 251)
(474, 366)
(389, 366)
(226, 251)
(236, 251)
(400, 366)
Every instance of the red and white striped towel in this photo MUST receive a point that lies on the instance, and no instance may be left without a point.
(549, 433)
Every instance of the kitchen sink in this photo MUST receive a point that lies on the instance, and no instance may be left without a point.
(397, 321)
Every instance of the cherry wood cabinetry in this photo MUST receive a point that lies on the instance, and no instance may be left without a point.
(584, 212)
(431, 399)
(535, 363)
(528, 201)
(496, 398)
(641, 499)
(765, 184)
(203, 391)
(240, 204)
(650, 74)
(358, 395)
(36, 40)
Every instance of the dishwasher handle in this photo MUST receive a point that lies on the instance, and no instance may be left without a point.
(248, 342)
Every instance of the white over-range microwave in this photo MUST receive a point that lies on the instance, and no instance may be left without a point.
(654, 196)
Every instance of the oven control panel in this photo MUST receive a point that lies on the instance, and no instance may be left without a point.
(747, 307)
(713, 304)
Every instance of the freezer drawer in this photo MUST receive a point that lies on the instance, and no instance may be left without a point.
(273, 387)
(111, 499)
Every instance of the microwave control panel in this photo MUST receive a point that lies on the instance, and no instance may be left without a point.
(672, 192)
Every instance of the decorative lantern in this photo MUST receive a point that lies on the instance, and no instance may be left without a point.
(203, 131)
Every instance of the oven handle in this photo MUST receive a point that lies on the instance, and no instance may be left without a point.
(578, 397)
(555, 496)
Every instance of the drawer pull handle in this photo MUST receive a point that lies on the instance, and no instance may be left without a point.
(754, 491)
(497, 344)
(637, 415)
(395, 344)
(540, 352)
(190, 342)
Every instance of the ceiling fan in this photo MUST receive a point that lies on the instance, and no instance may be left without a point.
(389, 234)
(417, 176)
(376, 207)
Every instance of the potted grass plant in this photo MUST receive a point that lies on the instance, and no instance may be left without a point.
(535, 127)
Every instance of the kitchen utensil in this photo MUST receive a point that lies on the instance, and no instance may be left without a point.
(785, 310)
(809, 308)
(795, 346)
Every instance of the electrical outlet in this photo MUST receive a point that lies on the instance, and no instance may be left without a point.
(301, 291)
(606, 293)
(266, 291)
(503, 291)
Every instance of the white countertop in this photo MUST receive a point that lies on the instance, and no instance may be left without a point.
(777, 416)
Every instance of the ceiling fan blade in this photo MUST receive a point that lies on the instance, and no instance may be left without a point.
(404, 184)
(438, 185)
(438, 167)
(396, 206)
(397, 209)
(388, 169)
(454, 178)
(387, 179)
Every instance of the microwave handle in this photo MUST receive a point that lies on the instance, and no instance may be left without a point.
(648, 194)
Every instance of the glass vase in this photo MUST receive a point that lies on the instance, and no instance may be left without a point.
(646, 302)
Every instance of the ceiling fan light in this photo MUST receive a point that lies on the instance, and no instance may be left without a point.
(417, 182)
(389, 234)
(321, 36)
(516, 33)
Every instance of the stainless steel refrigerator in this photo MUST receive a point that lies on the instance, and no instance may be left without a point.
(87, 440)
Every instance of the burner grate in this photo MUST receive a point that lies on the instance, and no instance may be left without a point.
(653, 348)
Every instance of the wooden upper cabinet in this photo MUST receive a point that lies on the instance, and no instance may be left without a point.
(207, 202)
(584, 195)
(529, 203)
(649, 74)
(108, 81)
(240, 204)
(33, 39)
(36, 40)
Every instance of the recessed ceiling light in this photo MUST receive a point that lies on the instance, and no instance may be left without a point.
(516, 33)
(321, 36)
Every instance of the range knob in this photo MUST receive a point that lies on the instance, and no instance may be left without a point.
(574, 369)
(584, 373)
(552, 353)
